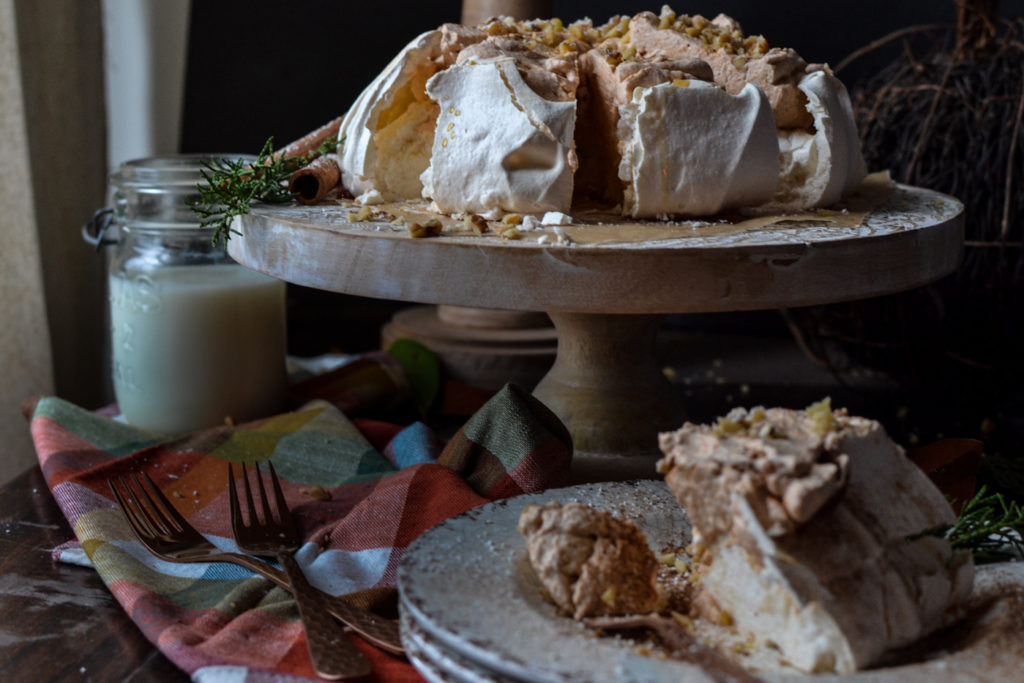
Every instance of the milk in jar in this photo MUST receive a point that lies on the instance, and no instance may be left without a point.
(195, 346)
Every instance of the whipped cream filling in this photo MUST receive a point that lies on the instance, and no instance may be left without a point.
(386, 133)
(690, 148)
(817, 167)
(765, 602)
(497, 145)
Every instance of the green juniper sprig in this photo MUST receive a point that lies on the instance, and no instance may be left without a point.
(990, 526)
(230, 186)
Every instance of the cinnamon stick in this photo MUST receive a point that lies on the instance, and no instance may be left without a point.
(310, 141)
(311, 183)
(303, 146)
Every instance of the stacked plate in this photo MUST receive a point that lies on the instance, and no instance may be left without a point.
(473, 611)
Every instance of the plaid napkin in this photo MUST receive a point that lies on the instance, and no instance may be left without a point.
(361, 489)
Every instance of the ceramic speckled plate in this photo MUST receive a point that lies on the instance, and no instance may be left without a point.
(438, 664)
(471, 603)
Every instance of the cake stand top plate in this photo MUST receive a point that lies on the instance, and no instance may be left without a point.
(883, 240)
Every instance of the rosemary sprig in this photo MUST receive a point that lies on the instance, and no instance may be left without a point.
(991, 527)
(230, 186)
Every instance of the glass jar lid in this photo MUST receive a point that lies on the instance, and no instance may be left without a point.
(159, 192)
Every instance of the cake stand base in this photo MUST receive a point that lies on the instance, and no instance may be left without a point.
(481, 348)
(608, 388)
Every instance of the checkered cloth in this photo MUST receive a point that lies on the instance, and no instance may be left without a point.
(361, 489)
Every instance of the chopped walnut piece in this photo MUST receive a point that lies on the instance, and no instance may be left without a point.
(364, 213)
(476, 223)
(432, 228)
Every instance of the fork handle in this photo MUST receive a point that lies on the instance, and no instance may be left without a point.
(332, 653)
(377, 630)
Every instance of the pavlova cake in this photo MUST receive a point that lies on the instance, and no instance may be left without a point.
(813, 528)
(658, 115)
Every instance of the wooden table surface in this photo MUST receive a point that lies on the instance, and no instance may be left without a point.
(59, 622)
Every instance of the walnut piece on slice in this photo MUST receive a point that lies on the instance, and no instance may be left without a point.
(590, 562)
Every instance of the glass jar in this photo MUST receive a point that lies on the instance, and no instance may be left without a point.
(197, 340)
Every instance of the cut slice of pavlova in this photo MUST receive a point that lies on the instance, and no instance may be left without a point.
(813, 527)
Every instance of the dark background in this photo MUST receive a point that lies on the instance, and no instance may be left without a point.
(283, 67)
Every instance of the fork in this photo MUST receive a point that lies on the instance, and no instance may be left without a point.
(277, 536)
(167, 534)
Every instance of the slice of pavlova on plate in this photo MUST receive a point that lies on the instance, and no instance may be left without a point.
(812, 528)
(590, 562)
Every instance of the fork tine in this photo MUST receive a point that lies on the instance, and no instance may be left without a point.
(268, 515)
(283, 513)
(171, 514)
(138, 510)
(236, 512)
(249, 506)
(127, 509)
(153, 515)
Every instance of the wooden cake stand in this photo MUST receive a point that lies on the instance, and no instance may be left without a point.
(605, 284)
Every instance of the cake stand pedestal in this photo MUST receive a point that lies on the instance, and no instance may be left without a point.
(608, 388)
(605, 288)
